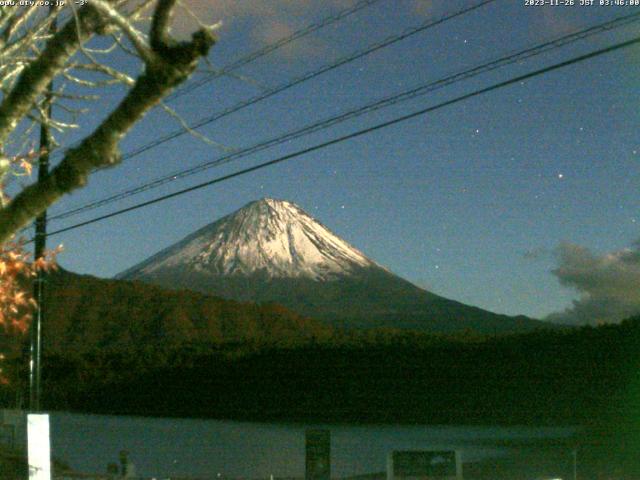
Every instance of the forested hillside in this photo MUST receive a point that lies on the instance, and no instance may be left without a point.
(581, 377)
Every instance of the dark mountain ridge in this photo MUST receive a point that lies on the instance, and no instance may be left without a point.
(369, 299)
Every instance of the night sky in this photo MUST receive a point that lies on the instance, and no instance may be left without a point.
(519, 201)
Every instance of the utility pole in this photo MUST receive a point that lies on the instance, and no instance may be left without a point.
(40, 242)
(40, 246)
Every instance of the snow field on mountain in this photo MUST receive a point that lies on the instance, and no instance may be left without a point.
(268, 236)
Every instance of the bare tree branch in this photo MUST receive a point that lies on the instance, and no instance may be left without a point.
(34, 79)
(172, 63)
(135, 37)
(116, 76)
(160, 25)
(185, 125)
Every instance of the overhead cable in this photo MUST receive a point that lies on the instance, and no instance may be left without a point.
(430, 23)
(267, 49)
(509, 59)
(356, 134)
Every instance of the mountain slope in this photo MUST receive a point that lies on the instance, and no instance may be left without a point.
(88, 314)
(272, 251)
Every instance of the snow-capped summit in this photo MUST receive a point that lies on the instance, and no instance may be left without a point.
(268, 236)
(272, 251)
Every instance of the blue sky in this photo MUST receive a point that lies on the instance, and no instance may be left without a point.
(481, 201)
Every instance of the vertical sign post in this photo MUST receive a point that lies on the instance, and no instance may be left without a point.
(38, 447)
(317, 455)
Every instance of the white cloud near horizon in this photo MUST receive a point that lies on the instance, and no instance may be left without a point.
(609, 284)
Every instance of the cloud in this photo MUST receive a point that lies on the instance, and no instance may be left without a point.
(264, 21)
(423, 8)
(609, 284)
(538, 253)
(273, 31)
(556, 23)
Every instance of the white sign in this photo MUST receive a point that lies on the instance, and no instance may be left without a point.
(424, 465)
(38, 447)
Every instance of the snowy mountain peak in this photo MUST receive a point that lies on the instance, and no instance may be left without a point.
(268, 236)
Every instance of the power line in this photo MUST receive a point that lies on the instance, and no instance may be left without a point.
(430, 23)
(267, 49)
(370, 107)
(272, 47)
(358, 133)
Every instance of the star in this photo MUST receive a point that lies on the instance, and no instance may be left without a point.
(560, 176)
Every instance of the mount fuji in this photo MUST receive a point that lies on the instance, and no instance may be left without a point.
(273, 251)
